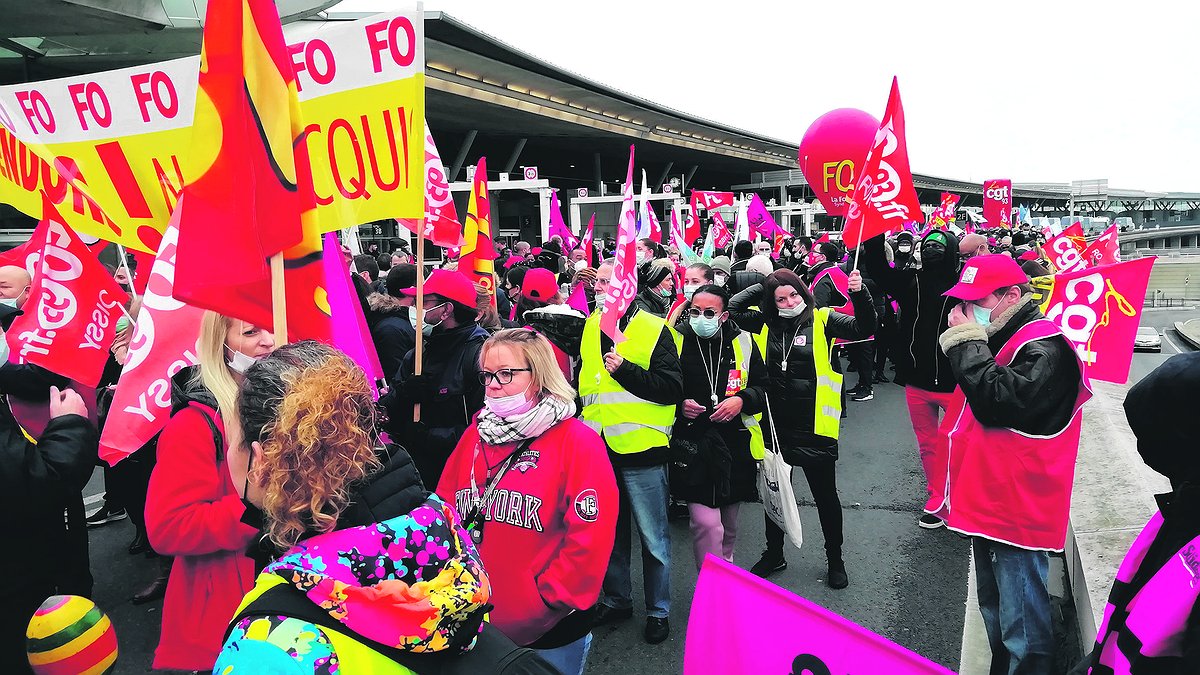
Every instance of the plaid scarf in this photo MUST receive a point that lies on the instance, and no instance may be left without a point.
(550, 410)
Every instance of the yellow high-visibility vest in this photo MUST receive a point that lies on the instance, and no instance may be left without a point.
(743, 346)
(827, 420)
(628, 424)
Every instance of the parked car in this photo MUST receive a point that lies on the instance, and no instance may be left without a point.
(1148, 339)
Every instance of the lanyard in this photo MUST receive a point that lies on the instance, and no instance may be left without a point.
(476, 517)
(788, 346)
(716, 366)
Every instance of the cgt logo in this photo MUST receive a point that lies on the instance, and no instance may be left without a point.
(999, 192)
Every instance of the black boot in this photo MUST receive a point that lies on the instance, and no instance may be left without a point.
(837, 579)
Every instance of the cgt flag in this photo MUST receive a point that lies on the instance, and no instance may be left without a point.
(789, 634)
(997, 202)
(623, 286)
(884, 195)
(163, 343)
(1106, 250)
(70, 319)
(1065, 250)
(479, 253)
(441, 222)
(1098, 310)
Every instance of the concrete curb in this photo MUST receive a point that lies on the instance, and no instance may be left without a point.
(1190, 331)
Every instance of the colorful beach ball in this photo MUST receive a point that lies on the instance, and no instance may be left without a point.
(70, 635)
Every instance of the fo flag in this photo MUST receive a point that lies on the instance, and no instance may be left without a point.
(163, 343)
(478, 253)
(884, 196)
(1106, 250)
(1098, 310)
(1065, 250)
(70, 319)
(623, 286)
(997, 202)
(441, 222)
(790, 634)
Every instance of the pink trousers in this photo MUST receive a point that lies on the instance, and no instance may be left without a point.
(925, 409)
(713, 531)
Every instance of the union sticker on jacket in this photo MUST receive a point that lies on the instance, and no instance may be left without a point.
(800, 341)
(736, 382)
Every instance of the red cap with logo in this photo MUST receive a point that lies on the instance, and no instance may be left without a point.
(984, 274)
(449, 285)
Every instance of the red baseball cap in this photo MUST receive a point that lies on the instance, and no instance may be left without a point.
(449, 285)
(539, 284)
(1028, 255)
(984, 274)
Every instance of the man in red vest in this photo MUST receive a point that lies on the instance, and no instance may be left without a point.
(1013, 433)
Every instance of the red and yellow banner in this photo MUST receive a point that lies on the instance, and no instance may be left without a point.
(112, 149)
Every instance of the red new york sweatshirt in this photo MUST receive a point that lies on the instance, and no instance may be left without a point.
(548, 525)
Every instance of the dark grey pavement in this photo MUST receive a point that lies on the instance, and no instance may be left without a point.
(1164, 321)
(905, 583)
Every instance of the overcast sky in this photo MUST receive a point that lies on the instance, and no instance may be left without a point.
(1036, 91)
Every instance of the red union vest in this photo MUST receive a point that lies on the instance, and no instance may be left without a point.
(841, 282)
(1006, 485)
(1150, 625)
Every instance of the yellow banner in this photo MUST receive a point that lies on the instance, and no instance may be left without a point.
(112, 149)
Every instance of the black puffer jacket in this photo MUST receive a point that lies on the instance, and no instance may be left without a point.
(793, 391)
(448, 391)
(923, 312)
(1034, 394)
(724, 472)
(392, 332)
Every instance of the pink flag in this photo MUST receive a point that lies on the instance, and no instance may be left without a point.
(709, 200)
(578, 300)
(722, 235)
(691, 227)
(760, 219)
(441, 222)
(1066, 250)
(70, 318)
(789, 634)
(1098, 310)
(623, 286)
(655, 228)
(163, 343)
(678, 239)
(588, 238)
(997, 202)
(558, 227)
(884, 195)
(1106, 250)
(350, 333)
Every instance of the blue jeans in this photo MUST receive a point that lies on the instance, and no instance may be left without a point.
(1015, 603)
(569, 659)
(643, 492)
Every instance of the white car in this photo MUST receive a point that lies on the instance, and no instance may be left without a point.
(1147, 338)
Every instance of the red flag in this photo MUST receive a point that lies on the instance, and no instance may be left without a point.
(691, 226)
(884, 195)
(722, 235)
(26, 255)
(478, 254)
(711, 200)
(1066, 250)
(588, 238)
(441, 222)
(163, 343)
(1098, 310)
(821, 239)
(944, 214)
(655, 228)
(623, 286)
(245, 204)
(997, 202)
(70, 318)
(1106, 250)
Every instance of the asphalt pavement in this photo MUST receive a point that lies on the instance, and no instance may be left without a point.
(906, 583)
(1163, 320)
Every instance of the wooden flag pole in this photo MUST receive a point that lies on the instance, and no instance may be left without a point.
(419, 308)
(278, 300)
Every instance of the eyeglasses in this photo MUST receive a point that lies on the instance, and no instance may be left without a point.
(695, 313)
(502, 377)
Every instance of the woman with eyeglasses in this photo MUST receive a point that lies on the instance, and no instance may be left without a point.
(535, 488)
(804, 396)
(717, 437)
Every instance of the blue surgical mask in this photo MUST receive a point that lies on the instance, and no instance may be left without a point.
(427, 327)
(705, 328)
(10, 302)
(689, 290)
(983, 315)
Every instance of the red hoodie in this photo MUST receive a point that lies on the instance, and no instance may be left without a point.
(548, 532)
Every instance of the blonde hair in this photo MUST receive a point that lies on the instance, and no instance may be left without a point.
(311, 408)
(547, 376)
(214, 373)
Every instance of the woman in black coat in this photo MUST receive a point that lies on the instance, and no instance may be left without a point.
(716, 470)
(783, 304)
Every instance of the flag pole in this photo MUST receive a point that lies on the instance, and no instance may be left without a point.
(128, 272)
(278, 300)
(419, 308)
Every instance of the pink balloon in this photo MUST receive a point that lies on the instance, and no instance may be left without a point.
(834, 145)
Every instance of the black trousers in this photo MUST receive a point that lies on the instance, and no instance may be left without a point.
(14, 619)
(862, 354)
(822, 481)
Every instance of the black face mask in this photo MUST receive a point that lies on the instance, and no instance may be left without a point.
(932, 253)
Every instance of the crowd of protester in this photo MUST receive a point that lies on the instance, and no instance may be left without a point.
(506, 467)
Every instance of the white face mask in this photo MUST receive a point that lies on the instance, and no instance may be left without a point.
(689, 290)
(427, 327)
(239, 362)
(506, 406)
(600, 298)
(719, 279)
(580, 265)
(792, 312)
